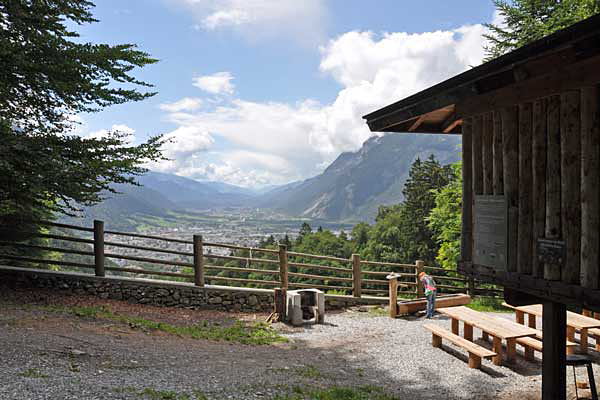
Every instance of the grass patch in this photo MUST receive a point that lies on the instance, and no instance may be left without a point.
(33, 373)
(378, 312)
(308, 371)
(257, 333)
(337, 393)
(487, 304)
(153, 394)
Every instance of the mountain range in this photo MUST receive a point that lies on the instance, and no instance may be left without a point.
(350, 189)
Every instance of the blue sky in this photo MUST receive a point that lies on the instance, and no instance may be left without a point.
(258, 92)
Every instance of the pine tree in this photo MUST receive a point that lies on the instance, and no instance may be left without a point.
(528, 20)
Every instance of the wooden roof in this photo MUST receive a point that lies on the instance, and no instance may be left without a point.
(567, 59)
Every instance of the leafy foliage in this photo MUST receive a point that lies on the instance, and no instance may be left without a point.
(401, 233)
(528, 20)
(445, 220)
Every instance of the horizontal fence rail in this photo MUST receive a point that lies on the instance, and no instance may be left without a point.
(194, 261)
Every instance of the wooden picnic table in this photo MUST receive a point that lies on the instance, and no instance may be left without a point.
(499, 328)
(574, 322)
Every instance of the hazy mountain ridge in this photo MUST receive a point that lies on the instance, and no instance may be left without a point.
(357, 183)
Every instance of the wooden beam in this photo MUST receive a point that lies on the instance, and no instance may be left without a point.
(510, 146)
(590, 186)
(570, 148)
(554, 379)
(538, 160)
(525, 228)
(562, 79)
(553, 192)
(452, 126)
(417, 123)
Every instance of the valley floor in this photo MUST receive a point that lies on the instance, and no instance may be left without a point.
(56, 347)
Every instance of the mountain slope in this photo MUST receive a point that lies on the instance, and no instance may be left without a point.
(188, 193)
(356, 184)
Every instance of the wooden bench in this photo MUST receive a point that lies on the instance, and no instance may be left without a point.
(530, 344)
(476, 352)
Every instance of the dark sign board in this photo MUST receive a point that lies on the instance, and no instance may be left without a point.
(551, 251)
(490, 236)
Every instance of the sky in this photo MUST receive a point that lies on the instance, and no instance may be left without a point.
(265, 92)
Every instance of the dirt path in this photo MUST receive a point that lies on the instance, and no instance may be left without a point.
(46, 353)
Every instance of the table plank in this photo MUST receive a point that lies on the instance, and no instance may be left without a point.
(575, 320)
(498, 327)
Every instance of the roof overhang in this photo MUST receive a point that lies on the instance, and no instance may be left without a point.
(557, 62)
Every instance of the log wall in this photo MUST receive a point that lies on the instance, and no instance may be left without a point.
(544, 157)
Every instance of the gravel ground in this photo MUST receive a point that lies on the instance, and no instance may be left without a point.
(45, 355)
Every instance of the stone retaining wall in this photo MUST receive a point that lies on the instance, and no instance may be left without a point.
(159, 293)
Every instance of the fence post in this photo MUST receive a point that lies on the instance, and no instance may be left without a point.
(418, 269)
(99, 247)
(198, 261)
(283, 266)
(356, 276)
(471, 287)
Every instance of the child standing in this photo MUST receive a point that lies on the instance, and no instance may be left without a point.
(430, 292)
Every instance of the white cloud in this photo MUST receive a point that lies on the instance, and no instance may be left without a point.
(271, 142)
(217, 83)
(185, 104)
(120, 128)
(302, 20)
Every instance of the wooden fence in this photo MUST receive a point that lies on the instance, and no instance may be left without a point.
(261, 268)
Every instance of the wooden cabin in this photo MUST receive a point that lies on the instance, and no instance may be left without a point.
(530, 126)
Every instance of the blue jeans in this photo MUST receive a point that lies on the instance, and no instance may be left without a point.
(430, 304)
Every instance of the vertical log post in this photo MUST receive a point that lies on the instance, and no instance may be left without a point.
(280, 306)
(283, 266)
(477, 149)
(198, 261)
(498, 160)
(356, 276)
(525, 228)
(466, 241)
(554, 381)
(393, 295)
(419, 266)
(488, 153)
(99, 247)
(510, 147)
(590, 186)
(538, 159)
(471, 286)
(553, 173)
(570, 148)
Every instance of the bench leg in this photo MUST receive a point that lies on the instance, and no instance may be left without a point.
(583, 341)
(485, 336)
(455, 326)
(468, 331)
(532, 321)
(511, 350)
(474, 361)
(529, 353)
(497, 347)
(436, 341)
(570, 333)
(520, 317)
